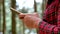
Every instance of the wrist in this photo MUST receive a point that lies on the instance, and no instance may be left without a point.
(40, 20)
(37, 22)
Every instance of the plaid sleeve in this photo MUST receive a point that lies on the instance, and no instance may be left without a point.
(48, 28)
(58, 15)
(45, 27)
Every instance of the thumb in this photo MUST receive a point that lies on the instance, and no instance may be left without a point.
(21, 15)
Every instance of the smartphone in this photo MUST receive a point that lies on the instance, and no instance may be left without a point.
(15, 10)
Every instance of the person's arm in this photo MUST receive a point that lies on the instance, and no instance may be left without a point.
(48, 27)
(52, 28)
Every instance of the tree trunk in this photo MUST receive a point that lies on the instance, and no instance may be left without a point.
(13, 5)
(0, 15)
(43, 6)
(23, 28)
(4, 23)
(35, 10)
(35, 6)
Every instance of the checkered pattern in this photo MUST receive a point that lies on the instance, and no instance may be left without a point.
(51, 19)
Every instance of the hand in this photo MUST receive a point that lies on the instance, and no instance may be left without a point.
(21, 16)
(30, 20)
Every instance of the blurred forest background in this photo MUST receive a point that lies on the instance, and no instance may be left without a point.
(10, 22)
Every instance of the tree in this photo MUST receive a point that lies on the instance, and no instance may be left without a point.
(4, 23)
(43, 6)
(35, 6)
(0, 14)
(13, 5)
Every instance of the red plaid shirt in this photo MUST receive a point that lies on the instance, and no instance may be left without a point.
(51, 19)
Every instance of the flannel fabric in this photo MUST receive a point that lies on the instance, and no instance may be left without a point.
(51, 19)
